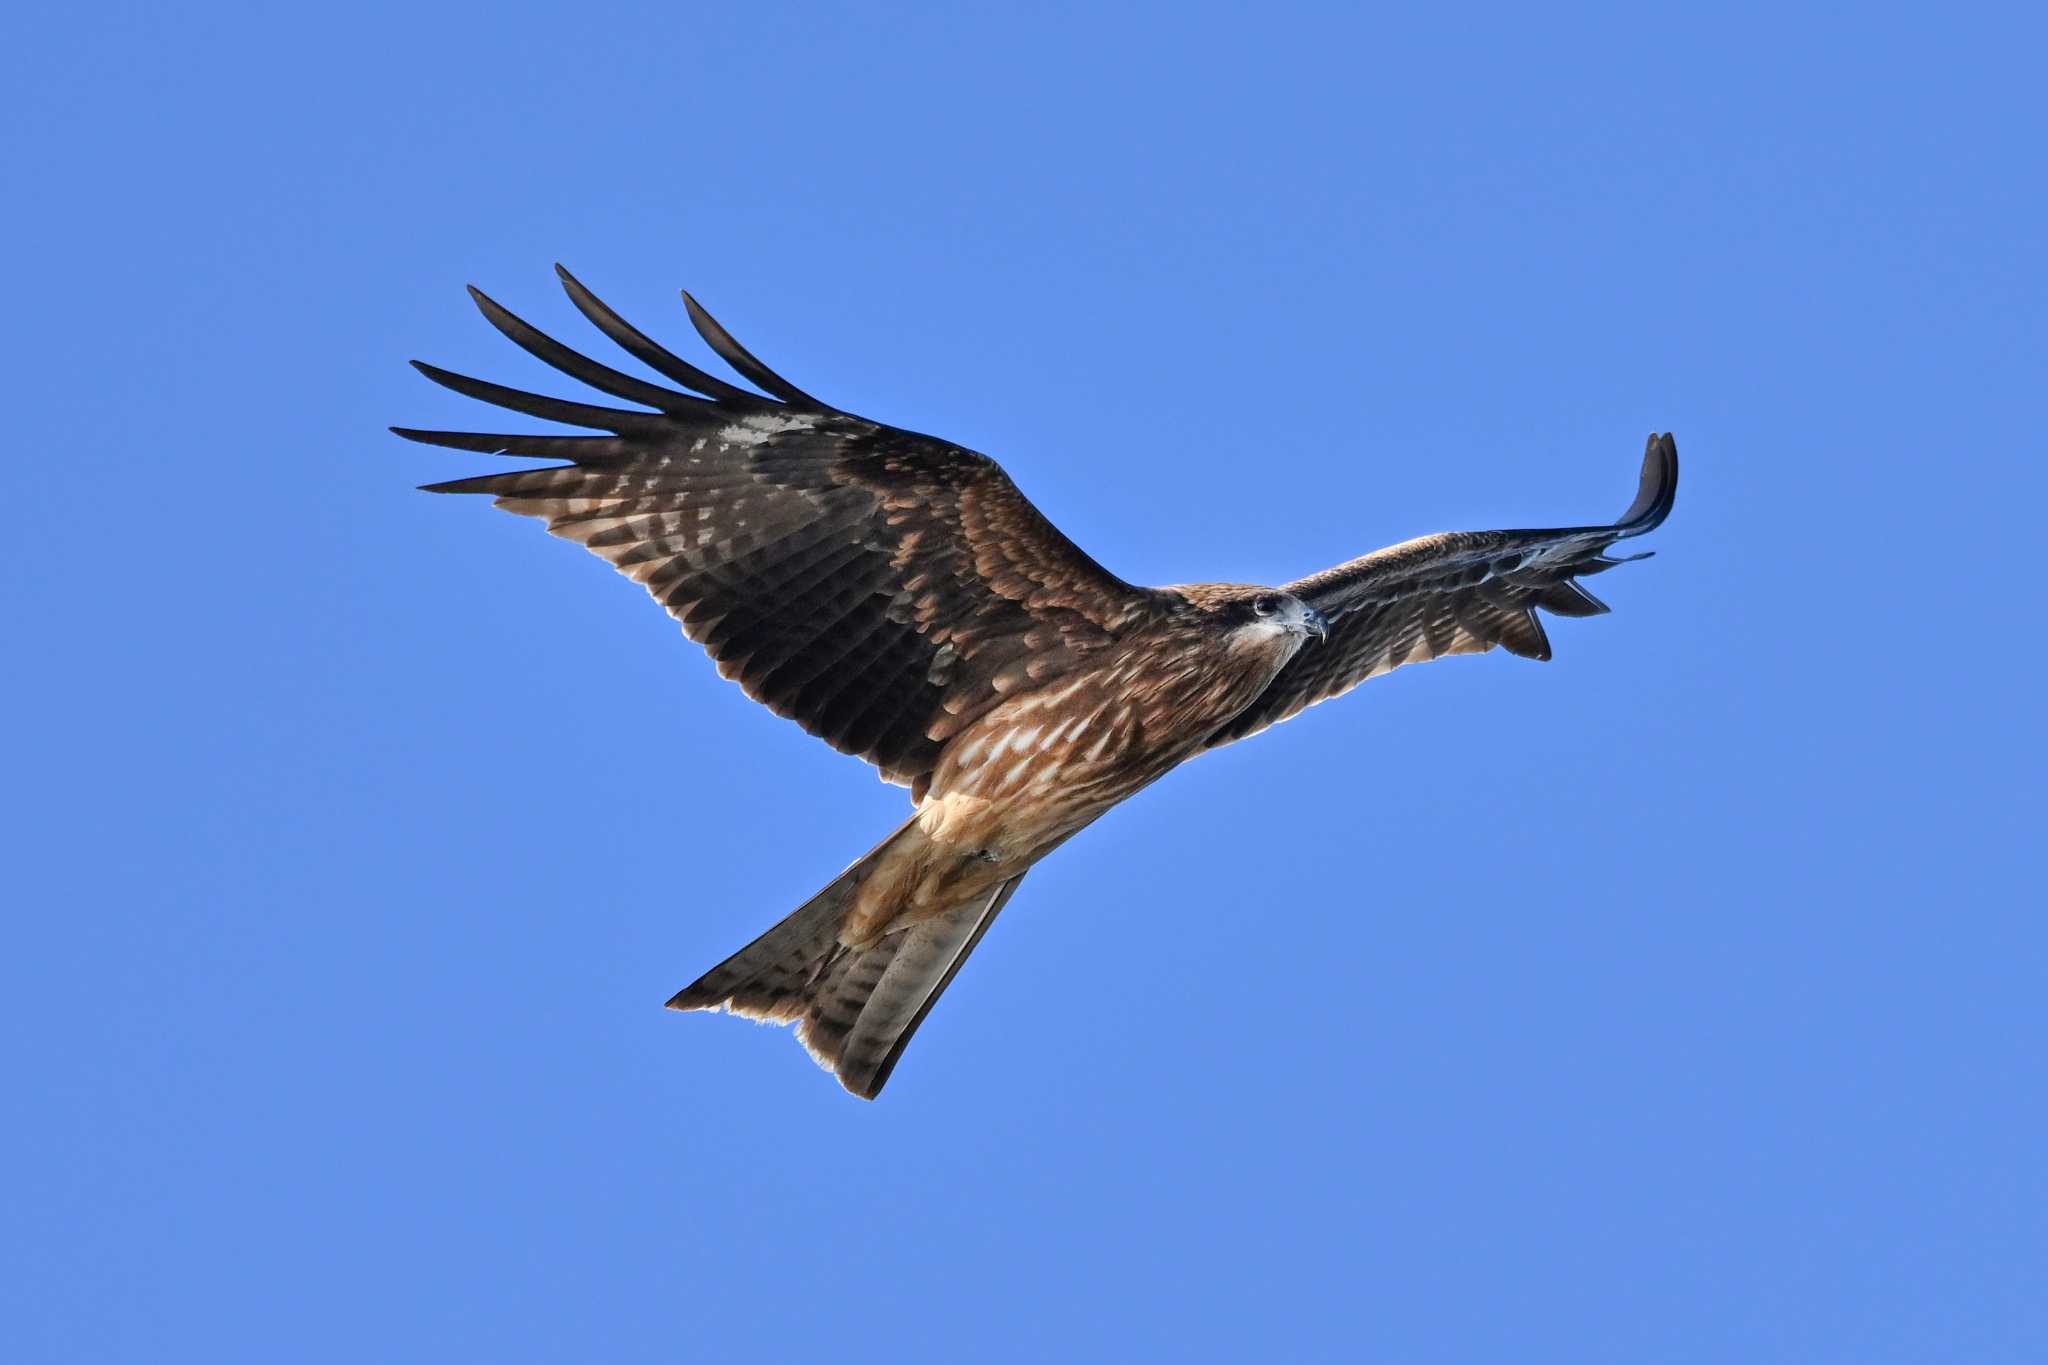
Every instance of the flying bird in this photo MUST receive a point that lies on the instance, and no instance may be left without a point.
(898, 597)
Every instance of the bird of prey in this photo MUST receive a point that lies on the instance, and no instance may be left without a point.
(898, 597)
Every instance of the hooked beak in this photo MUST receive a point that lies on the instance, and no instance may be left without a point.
(1315, 623)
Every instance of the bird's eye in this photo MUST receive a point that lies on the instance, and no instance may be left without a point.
(1267, 605)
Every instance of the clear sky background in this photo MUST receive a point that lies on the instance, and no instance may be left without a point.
(1680, 1000)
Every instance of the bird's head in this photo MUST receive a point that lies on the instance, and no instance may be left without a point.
(1266, 610)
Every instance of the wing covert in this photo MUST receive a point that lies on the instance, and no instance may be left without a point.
(879, 587)
(1461, 592)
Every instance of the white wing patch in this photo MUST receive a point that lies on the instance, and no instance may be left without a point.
(761, 428)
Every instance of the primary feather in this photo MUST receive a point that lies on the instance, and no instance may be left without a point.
(898, 597)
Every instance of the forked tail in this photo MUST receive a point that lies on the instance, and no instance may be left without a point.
(854, 1008)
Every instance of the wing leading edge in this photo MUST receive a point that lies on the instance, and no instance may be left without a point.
(879, 587)
(1460, 592)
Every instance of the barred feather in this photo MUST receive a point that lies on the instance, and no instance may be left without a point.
(898, 597)
(855, 1008)
(1462, 592)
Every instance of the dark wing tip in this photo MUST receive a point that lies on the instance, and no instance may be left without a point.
(427, 437)
(500, 316)
(650, 353)
(448, 379)
(743, 360)
(1656, 489)
(713, 990)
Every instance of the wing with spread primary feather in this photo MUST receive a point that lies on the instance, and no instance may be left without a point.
(1462, 592)
(879, 587)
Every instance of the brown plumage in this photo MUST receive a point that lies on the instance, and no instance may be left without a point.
(896, 596)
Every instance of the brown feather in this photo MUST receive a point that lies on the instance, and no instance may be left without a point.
(898, 597)
(878, 587)
(1461, 592)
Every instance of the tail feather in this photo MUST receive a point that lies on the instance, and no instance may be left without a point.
(931, 956)
(855, 1008)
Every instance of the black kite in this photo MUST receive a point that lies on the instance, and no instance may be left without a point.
(897, 597)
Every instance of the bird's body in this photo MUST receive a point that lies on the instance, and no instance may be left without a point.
(1049, 759)
(898, 597)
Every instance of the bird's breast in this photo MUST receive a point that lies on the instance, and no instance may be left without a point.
(1047, 761)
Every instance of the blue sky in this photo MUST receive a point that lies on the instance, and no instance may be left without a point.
(1678, 1000)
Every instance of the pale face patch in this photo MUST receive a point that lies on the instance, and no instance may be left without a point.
(1261, 633)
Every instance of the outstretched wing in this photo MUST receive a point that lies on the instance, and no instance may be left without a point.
(878, 587)
(1462, 592)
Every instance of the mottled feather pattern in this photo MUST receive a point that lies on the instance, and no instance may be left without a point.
(854, 1007)
(1461, 592)
(880, 588)
(897, 596)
